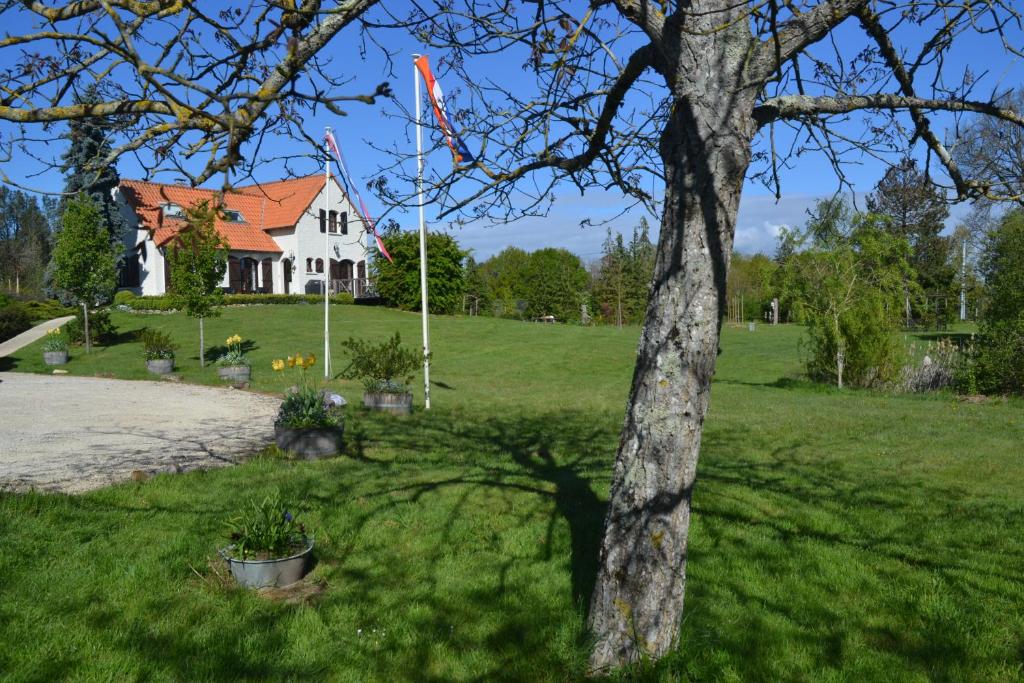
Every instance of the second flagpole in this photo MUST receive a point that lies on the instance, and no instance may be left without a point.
(327, 254)
(423, 241)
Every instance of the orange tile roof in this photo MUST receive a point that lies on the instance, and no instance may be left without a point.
(264, 206)
(283, 201)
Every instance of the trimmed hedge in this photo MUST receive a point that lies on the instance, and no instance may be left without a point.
(163, 303)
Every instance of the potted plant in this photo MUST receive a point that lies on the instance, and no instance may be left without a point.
(308, 424)
(268, 546)
(233, 365)
(159, 350)
(385, 369)
(55, 347)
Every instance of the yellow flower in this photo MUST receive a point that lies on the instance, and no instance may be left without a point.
(291, 361)
(227, 342)
(310, 360)
(298, 360)
(277, 364)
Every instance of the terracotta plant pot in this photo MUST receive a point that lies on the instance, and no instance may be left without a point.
(397, 404)
(55, 357)
(310, 443)
(160, 366)
(236, 374)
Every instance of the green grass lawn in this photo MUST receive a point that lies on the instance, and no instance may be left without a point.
(837, 536)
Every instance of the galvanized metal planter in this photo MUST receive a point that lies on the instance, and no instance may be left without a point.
(310, 443)
(55, 357)
(236, 374)
(160, 366)
(265, 573)
(398, 404)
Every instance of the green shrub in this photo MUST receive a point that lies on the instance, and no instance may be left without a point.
(265, 530)
(124, 296)
(101, 329)
(379, 365)
(14, 320)
(150, 303)
(997, 360)
(998, 354)
(157, 345)
(48, 309)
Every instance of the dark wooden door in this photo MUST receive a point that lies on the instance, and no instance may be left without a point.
(234, 274)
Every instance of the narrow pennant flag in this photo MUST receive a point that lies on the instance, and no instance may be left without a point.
(458, 147)
(347, 179)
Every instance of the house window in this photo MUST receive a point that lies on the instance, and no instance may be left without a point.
(309, 265)
(173, 211)
(233, 216)
(333, 224)
(319, 265)
(323, 221)
(344, 222)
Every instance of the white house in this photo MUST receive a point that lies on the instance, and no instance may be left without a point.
(277, 232)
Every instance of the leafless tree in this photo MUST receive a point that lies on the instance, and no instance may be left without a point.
(696, 95)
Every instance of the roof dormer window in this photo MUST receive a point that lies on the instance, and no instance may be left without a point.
(173, 211)
(232, 216)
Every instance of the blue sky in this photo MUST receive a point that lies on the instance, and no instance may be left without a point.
(760, 215)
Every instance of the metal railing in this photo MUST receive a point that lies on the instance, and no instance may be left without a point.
(358, 287)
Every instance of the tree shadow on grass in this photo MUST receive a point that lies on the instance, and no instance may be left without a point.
(470, 531)
(559, 457)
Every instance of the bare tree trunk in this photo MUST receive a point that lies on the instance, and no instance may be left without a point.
(88, 339)
(638, 598)
(202, 345)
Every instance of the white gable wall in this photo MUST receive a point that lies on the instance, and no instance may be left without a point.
(151, 267)
(308, 242)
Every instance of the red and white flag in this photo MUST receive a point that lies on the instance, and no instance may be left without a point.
(458, 147)
(332, 145)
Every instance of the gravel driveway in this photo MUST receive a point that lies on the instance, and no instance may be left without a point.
(73, 434)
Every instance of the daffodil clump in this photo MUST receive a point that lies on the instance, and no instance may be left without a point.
(234, 356)
(55, 340)
(303, 406)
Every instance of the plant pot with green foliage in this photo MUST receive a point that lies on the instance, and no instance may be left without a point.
(233, 366)
(159, 350)
(385, 369)
(308, 425)
(268, 546)
(55, 347)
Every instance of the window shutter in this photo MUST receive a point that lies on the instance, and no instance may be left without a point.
(344, 222)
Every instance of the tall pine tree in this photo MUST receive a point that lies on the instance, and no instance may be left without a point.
(916, 211)
(85, 168)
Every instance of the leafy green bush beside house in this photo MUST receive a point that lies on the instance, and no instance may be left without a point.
(398, 283)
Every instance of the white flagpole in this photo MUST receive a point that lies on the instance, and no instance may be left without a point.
(423, 243)
(327, 253)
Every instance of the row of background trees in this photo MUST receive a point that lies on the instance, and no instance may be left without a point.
(904, 206)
